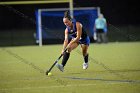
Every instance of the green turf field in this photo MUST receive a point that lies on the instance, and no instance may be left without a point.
(113, 68)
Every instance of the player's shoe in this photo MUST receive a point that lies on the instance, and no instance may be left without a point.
(60, 67)
(85, 65)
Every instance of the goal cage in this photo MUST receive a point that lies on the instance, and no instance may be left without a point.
(50, 26)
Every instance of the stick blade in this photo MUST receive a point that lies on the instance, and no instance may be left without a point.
(47, 72)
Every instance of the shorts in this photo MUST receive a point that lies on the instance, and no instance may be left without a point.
(85, 41)
(100, 30)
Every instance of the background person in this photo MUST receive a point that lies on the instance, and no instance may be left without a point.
(100, 29)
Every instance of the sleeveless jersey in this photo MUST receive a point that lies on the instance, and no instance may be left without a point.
(73, 32)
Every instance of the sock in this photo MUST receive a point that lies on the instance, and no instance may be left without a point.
(65, 58)
(86, 58)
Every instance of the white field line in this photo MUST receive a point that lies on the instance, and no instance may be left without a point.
(60, 86)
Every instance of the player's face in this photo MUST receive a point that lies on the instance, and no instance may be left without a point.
(67, 22)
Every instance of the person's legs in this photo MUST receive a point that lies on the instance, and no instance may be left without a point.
(66, 56)
(67, 53)
(100, 35)
(105, 39)
(85, 55)
(98, 38)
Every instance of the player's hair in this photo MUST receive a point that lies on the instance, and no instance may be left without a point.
(67, 15)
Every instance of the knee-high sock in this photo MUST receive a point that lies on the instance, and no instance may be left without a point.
(86, 58)
(65, 58)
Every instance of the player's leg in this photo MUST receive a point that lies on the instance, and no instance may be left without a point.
(67, 53)
(85, 55)
(84, 46)
(66, 56)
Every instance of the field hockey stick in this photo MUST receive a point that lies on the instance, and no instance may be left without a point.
(55, 62)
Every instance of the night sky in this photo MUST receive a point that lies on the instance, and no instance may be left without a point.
(117, 12)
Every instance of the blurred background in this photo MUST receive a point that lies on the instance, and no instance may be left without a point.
(18, 22)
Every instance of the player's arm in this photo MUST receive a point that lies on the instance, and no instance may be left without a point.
(79, 33)
(65, 40)
(105, 29)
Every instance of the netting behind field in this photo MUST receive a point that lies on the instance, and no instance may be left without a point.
(123, 33)
(52, 25)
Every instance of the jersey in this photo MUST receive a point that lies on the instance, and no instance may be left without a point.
(84, 39)
(100, 23)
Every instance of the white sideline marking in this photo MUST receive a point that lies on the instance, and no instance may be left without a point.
(59, 86)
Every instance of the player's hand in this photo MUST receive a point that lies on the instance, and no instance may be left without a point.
(62, 52)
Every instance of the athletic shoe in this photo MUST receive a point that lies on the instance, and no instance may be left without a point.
(85, 65)
(60, 67)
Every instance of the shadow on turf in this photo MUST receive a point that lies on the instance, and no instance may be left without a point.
(123, 70)
(105, 80)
